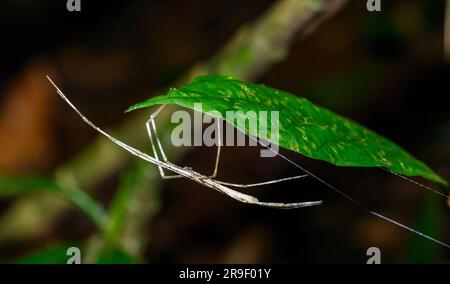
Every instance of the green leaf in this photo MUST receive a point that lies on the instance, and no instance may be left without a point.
(55, 254)
(13, 187)
(304, 127)
(116, 256)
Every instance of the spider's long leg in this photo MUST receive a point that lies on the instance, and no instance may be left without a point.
(259, 183)
(253, 200)
(152, 121)
(155, 152)
(251, 184)
(131, 150)
(219, 146)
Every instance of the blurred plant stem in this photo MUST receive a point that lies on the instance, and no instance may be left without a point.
(134, 203)
(250, 52)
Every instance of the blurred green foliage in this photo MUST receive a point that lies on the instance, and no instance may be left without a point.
(19, 186)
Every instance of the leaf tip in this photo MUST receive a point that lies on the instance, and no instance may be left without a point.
(130, 109)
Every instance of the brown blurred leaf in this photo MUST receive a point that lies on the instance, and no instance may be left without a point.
(26, 119)
(375, 231)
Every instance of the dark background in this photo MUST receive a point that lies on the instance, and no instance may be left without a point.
(385, 70)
